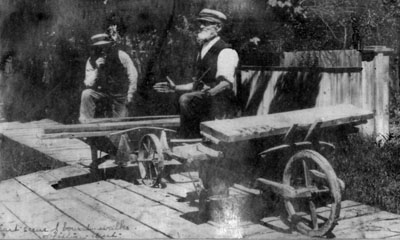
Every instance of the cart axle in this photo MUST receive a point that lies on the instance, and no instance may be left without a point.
(289, 192)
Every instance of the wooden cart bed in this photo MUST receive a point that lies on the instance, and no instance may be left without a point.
(253, 127)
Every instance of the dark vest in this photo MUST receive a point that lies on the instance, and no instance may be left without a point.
(208, 65)
(112, 76)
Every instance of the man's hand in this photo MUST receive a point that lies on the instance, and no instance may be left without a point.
(100, 61)
(165, 87)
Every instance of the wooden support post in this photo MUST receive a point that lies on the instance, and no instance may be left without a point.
(312, 131)
(382, 95)
(94, 152)
(375, 93)
(289, 136)
(124, 150)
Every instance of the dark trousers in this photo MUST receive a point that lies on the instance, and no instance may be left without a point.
(196, 107)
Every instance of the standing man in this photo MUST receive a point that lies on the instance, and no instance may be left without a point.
(210, 95)
(111, 79)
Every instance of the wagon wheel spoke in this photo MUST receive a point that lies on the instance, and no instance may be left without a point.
(149, 171)
(146, 147)
(307, 178)
(154, 156)
(149, 144)
(313, 214)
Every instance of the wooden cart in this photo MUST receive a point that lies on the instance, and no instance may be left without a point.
(307, 180)
(301, 175)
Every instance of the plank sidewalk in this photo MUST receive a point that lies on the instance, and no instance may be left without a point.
(32, 205)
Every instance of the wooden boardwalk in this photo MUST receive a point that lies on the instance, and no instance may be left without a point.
(68, 201)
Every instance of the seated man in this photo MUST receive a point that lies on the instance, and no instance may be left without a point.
(210, 96)
(111, 78)
(111, 81)
(211, 93)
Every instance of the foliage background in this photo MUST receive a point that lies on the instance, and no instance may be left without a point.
(50, 42)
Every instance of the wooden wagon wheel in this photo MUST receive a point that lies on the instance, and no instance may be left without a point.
(310, 172)
(150, 160)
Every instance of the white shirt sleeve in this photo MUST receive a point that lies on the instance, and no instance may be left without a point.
(130, 69)
(228, 60)
(90, 74)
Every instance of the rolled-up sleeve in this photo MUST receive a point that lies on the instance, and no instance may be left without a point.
(90, 74)
(130, 69)
(228, 61)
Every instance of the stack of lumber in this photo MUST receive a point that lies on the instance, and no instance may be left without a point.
(109, 126)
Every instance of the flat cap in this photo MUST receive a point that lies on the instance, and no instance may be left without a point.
(100, 39)
(211, 15)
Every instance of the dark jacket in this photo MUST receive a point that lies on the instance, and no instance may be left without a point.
(112, 75)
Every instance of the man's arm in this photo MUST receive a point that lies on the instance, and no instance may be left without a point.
(90, 74)
(184, 87)
(131, 72)
(227, 63)
(170, 86)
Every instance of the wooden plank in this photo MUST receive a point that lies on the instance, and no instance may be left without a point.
(11, 227)
(30, 125)
(105, 216)
(254, 230)
(326, 59)
(358, 222)
(67, 171)
(276, 225)
(160, 196)
(369, 226)
(51, 152)
(378, 49)
(179, 189)
(101, 217)
(126, 119)
(164, 197)
(302, 69)
(357, 211)
(396, 236)
(160, 217)
(349, 211)
(13, 191)
(377, 229)
(108, 223)
(280, 235)
(349, 203)
(76, 135)
(245, 128)
(42, 218)
(113, 126)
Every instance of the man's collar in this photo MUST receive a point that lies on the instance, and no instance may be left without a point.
(208, 45)
(211, 42)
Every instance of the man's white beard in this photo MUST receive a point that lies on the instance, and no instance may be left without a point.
(206, 35)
